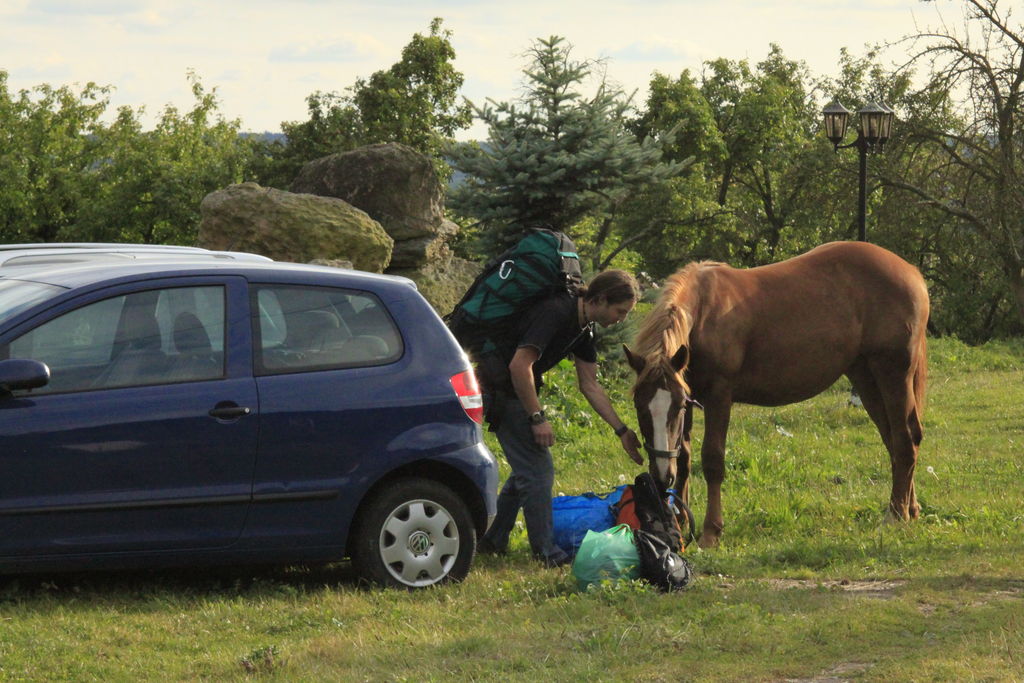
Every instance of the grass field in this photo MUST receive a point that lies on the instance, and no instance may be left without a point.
(808, 585)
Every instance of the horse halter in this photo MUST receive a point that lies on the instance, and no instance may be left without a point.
(688, 404)
(655, 453)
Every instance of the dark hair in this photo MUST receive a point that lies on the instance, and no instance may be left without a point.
(614, 286)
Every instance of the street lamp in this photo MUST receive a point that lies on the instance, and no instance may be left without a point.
(875, 129)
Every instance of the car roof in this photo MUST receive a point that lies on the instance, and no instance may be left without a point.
(95, 245)
(82, 274)
(20, 255)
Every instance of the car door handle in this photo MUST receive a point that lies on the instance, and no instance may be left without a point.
(228, 411)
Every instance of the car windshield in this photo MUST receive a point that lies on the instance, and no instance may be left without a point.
(17, 295)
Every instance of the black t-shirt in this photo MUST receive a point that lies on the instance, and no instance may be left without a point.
(552, 327)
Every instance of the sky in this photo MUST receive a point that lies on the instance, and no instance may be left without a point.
(265, 57)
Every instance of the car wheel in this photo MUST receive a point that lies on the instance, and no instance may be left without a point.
(413, 534)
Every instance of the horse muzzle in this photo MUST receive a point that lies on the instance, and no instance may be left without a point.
(661, 461)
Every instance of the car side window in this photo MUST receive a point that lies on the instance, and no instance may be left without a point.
(320, 328)
(158, 336)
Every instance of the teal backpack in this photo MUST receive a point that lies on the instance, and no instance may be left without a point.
(542, 263)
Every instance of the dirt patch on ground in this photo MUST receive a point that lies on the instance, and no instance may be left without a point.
(838, 674)
(1013, 589)
(881, 588)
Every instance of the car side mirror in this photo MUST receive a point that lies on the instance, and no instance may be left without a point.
(22, 373)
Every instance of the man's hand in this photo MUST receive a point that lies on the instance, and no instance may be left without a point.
(631, 444)
(543, 434)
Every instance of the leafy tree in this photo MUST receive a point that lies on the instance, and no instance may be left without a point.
(556, 156)
(751, 130)
(64, 175)
(670, 223)
(333, 126)
(768, 179)
(47, 147)
(146, 186)
(680, 105)
(415, 102)
(974, 177)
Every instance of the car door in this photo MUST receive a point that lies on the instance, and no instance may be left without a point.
(333, 395)
(145, 437)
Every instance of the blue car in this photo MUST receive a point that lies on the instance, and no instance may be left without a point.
(183, 409)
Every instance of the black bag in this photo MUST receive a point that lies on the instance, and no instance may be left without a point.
(660, 565)
(659, 539)
(540, 264)
(653, 512)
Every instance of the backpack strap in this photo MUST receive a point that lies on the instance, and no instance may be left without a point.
(681, 511)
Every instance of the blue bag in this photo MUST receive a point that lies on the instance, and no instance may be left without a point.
(574, 516)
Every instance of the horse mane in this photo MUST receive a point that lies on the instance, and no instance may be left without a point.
(667, 327)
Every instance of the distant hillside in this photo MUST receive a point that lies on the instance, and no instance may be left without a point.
(266, 136)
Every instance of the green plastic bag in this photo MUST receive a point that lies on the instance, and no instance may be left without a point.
(604, 555)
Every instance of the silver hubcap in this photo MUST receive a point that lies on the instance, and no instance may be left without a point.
(419, 543)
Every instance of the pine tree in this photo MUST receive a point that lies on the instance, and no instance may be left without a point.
(554, 157)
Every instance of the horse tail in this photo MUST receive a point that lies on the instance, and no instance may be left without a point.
(920, 381)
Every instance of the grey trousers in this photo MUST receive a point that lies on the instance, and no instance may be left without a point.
(528, 487)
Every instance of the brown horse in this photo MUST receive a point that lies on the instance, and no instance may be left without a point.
(779, 334)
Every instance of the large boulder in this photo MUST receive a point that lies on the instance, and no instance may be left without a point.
(442, 283)
(292, 227)
(397, 186)
(393, 183)
(419, 251)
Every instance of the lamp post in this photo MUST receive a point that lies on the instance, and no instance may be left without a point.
(875, 129)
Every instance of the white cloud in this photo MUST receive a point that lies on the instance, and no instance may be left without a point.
(81, 7)
(265, 56)
(338, 51)
(650, 51)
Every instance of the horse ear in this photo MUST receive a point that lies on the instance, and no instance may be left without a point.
(635, 362)
(680, 359)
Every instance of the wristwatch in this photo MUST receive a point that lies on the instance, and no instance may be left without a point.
(622, 430)
(537, 418)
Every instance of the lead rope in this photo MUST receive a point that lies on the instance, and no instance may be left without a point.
(679, 508)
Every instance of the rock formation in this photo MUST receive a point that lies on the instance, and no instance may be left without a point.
(286, 226)
(398, 187)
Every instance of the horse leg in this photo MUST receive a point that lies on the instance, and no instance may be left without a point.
(685, 456)
(894, 377)
(864, 384)
(712, 457)
(871, 396)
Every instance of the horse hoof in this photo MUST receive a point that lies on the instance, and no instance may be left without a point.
(891, 518)
(707, 542)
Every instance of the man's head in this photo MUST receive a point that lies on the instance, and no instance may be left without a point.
(610, 296)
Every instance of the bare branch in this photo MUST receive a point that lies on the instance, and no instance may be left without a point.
(987, 11)
(938, 203)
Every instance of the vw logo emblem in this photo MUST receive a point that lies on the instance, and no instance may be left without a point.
(419, 543)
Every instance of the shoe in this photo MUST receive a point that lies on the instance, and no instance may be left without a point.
(486, 547)
(556, 561)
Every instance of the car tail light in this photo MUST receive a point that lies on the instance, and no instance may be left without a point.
(469, 395)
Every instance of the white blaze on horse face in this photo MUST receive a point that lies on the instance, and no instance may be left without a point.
(659, 407)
